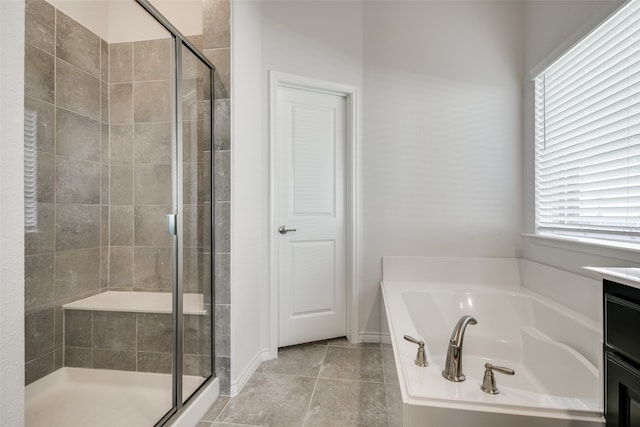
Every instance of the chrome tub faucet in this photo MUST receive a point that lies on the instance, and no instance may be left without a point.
(453, 365)
(489, 381)
(421, 358)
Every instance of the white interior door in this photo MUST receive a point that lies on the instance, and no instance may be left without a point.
(312, 267)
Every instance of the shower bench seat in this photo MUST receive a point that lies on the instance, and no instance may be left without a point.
(138, 302)
(134, 331)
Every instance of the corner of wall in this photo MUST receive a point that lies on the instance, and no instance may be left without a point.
(11, 215)
(249, 270)
(216, 43)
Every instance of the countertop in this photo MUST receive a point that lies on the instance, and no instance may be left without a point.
(629, 276)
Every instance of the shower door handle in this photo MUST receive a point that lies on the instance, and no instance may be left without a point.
(284, 230)
(172, 224)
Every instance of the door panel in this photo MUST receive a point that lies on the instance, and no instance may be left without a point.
(196, 208)
(314, 274)
(314, 159)
(622, 394)
(311, 172)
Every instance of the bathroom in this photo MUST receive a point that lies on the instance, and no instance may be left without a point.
(444, 144)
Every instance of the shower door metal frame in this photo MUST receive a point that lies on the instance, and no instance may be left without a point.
(180, 41)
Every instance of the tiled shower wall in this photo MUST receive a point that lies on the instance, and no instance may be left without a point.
(101, 205)
(66, 86)
(140, 197)
(216, 45)
(140, 342)
(140, 165)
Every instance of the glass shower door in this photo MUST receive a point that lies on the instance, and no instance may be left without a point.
(197, 261)
(118, 300)
(100, 93)
(142, 141)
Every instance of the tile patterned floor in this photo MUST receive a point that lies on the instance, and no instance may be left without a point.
(325, 384)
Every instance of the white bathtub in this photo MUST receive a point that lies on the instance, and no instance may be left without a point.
(556, 383)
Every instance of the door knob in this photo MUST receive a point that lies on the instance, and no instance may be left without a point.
(284, 230)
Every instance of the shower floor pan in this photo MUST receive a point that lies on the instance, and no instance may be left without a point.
(95, 397)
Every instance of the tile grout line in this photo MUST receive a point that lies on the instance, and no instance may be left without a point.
(384, 371)
(351, 380)
(213, 424)
(384, 388)
(280, 374)
(386, 421)
(384, 385)
(222, 410)
(387, 384)
(315, 386)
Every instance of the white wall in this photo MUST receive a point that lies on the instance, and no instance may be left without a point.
(441, 104)
(313, 38)
(118, 21)
(551, 28)
(93, 14)
(320, 39)
(442, 131)
(11, 214)
(442, 134)
(249, 244)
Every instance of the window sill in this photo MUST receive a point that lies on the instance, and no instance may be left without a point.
(607, 248)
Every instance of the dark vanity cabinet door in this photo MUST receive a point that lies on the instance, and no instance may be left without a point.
(622, 355)
(623, 393)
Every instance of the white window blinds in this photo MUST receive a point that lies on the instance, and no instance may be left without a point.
(587, 134)
(30, 170)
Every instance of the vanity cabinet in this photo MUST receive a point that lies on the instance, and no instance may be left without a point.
(622, 354)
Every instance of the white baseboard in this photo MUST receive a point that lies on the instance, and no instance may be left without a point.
(238, 384)
(373, 337)
(385, 338)
(269, 354)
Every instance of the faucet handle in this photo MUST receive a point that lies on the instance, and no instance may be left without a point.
(413, 340)
(421, 358)
(501, 369)
(489, 381)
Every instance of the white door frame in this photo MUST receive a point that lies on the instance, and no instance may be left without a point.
(352, 196)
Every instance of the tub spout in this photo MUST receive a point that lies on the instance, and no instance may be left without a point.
(453, 365)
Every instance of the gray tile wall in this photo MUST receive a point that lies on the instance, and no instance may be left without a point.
(64, 76)
(217, 48)
(132, 341)
(104, 165)
(140, 166)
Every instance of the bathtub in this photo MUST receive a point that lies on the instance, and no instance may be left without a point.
(555, 352)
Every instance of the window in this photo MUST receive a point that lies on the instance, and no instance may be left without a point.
(587, 134)
(30, 171)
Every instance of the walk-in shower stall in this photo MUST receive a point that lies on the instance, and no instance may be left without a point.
(118, 217)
